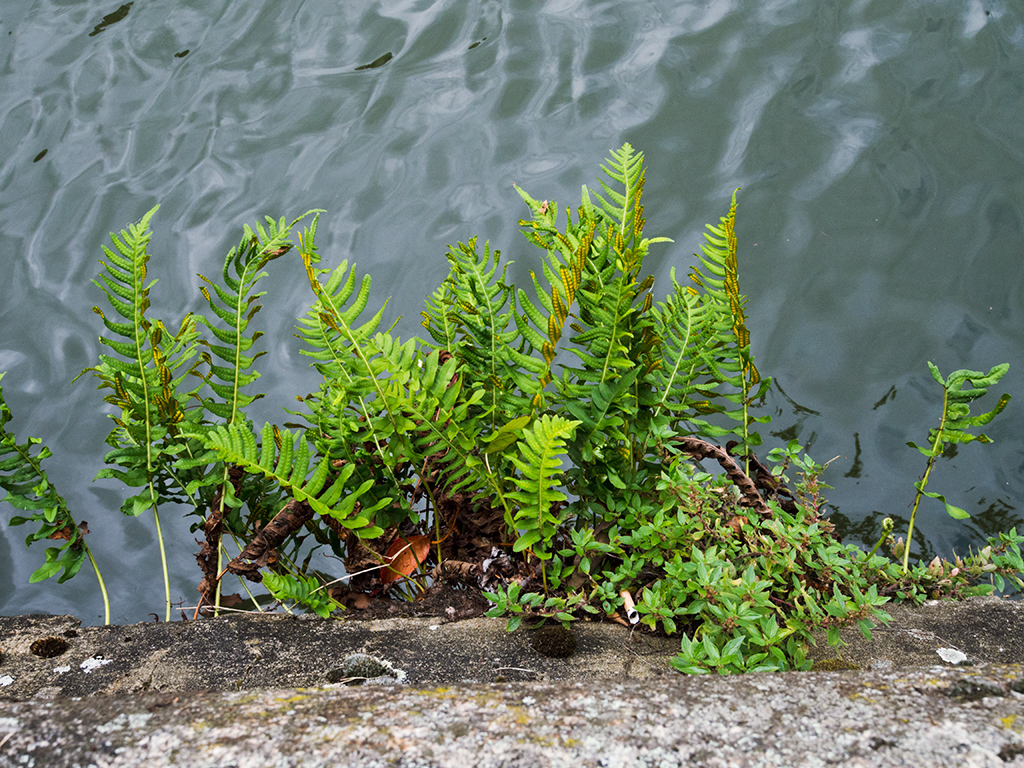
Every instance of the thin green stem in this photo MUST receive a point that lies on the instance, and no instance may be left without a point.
(935, 451)
(103, 587)
(886, 530)
(163, 557)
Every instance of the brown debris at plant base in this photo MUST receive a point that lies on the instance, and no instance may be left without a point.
(213, 529)
(260, 551)
(456, 570)
(404, 557)
(440, 600)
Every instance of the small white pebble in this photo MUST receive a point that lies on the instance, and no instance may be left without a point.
(6, 680)
(62, 670)
(529, 700)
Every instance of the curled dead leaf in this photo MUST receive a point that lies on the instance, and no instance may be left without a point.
(404, 556)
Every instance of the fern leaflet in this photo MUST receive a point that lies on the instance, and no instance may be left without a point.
(291, 469)
(540, 479)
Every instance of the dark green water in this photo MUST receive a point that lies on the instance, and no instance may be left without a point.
(879, 145)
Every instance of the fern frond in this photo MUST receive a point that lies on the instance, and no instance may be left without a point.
(292, 470)
(353, 417)
(479, 308)
(441, 317)
(28, 488)
(150, 365)
(539, 480)
(725, 354)
(442, 417)
(302, 590)
(336, 343)
(626, 168)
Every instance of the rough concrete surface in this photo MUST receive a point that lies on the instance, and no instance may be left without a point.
(943, 685)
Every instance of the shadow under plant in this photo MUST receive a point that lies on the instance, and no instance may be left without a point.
(477, 456)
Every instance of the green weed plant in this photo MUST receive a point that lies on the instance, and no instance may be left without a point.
(552, 439)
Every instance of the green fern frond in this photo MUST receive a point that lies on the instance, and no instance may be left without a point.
(353, 417)
(626, 168)
(151, 364)
(291, 468)
(594, 267)
(726, 358)
(336, 343)
(539, 480)
(146, 372)
(235, 305)
(441, 317)
(301, 590)
(29, 489)
(478, 309)
(442, 417)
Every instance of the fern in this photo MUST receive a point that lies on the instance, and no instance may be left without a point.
(349, 411)
(686, 328)
(291, 468)
(727, 359)
(540, 479)
(439, 407)
(233, 303)
(29, 489)
(594, 303)
(624, 210)
(954, 427)
(146, 374)
(470, 316)
(335, 342)
(302, 590)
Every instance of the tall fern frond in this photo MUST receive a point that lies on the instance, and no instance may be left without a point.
(595, 265)
(235, 304)
(472, 314)
(626, 168)
(730, 361)
(146, 373)
(542, 327)
(148, 369)
(591, 300)
(352, 417)
(686, 328)
(336, 343)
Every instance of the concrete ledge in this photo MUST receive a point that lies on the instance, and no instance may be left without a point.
(943, 685)
(934, 717)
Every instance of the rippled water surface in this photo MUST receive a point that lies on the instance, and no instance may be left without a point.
(879, 145)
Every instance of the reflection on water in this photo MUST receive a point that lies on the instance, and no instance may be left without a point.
(879, 147)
